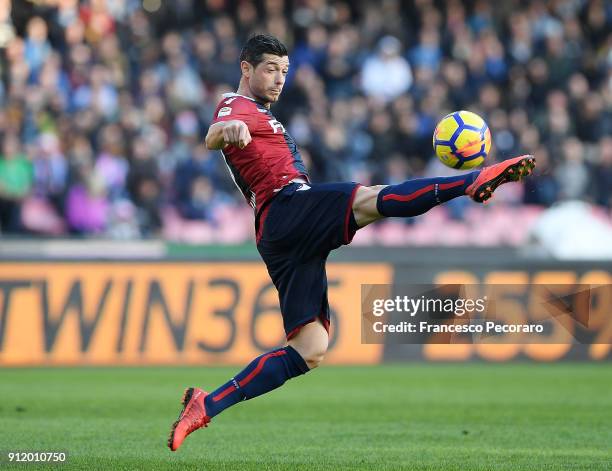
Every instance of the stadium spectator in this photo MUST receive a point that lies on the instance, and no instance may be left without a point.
(386, 74)
(87, 206)
(15, 183)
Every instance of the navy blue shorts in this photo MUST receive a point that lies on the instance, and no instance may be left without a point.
(296, 232)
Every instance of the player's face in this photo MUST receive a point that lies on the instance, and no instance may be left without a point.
(268, 78)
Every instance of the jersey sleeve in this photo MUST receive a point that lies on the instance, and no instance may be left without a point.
(237, 108)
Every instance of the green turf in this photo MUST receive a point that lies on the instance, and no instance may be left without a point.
(468, 416)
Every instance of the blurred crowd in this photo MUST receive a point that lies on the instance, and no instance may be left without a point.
(104, 103)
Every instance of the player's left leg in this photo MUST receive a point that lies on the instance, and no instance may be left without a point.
(265, 373)
(303, 352)
(414, 197)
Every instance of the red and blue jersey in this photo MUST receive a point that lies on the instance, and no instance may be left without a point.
(270, 161)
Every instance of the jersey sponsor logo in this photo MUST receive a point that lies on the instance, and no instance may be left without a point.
(225, 111)
(227, 102)
(276, 126)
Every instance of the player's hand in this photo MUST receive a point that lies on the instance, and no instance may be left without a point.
(236, 133)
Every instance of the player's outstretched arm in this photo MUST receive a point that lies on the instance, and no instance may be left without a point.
(226, 133)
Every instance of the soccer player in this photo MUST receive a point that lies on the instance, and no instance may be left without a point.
(298, 223)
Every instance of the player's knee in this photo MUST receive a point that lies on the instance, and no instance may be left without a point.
(315, 357)
(311, 343)
(364, 205)
(313, 351)
(364, 196)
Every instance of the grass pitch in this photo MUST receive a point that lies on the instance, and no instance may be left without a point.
(418, 416)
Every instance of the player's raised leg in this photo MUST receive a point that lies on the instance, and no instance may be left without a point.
(414, 197)
(265, 373)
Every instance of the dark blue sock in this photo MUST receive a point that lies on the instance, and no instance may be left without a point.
(414, 197)
(263, 374)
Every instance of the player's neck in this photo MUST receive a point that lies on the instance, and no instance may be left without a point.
(245, 90)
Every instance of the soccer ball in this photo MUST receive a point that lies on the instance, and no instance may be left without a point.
(462, 140)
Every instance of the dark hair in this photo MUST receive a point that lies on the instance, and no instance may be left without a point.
(259, 45)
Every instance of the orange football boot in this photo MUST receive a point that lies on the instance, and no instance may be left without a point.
(192, 417)
(511, 170)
